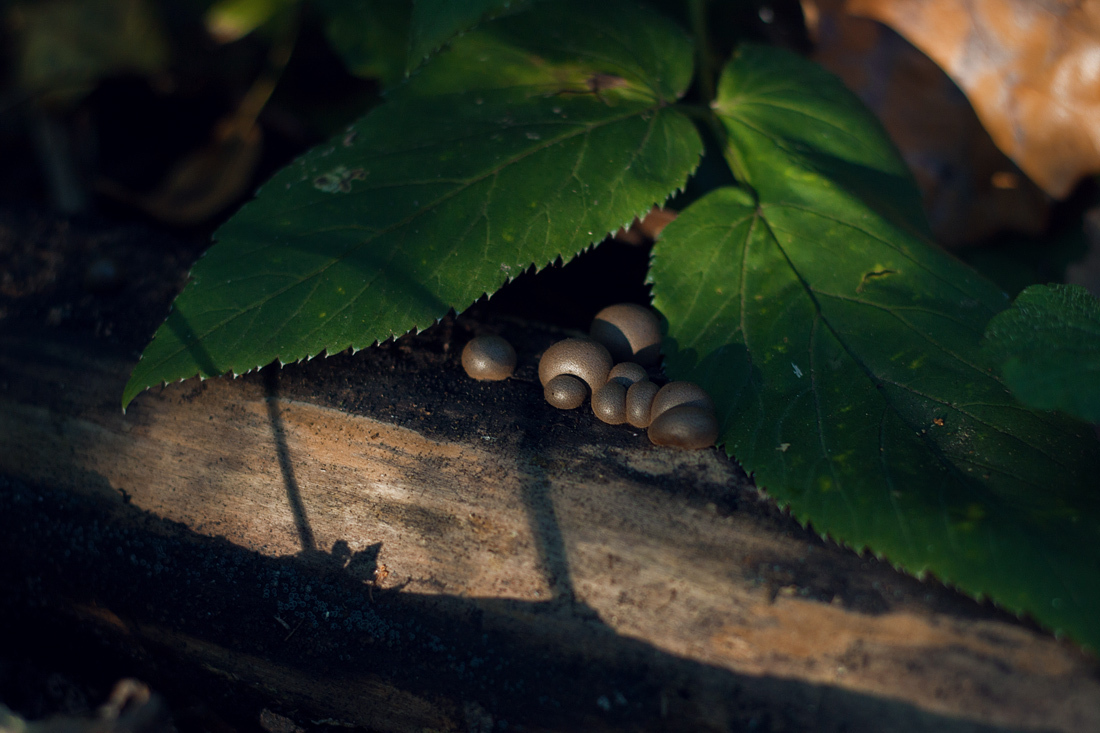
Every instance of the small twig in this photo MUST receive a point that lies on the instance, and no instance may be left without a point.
(295, 629)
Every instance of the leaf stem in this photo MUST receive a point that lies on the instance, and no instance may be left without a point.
(704, 55)
(703, 114)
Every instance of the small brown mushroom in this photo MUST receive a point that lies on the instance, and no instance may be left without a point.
(489, 358)
(582, 358)
(609, 401)
(630, 332)
(627, 373)
(687, 426)
(565, 392)
(639, 401)
(675, 394)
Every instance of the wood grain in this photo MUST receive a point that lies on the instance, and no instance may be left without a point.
(378, 538)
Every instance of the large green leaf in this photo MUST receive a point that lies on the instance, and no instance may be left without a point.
(843, 353)
(1047, 346)
(434, 22)
(797, 134)
(434, 199)
(609, 51)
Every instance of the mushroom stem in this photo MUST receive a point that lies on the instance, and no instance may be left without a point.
(565, 392)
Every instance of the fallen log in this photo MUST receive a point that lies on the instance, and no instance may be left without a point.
(376, 541)
(383, 542)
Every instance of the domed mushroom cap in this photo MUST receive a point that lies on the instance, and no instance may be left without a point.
(630, 332)
(627, 373)
(582, 358)
(639, 401)
(687, 427)
(565, 392)
(489, 358)
(612, 403)
(609, 403)
(675, 394)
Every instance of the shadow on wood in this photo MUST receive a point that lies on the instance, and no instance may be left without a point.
(378, 540)
(307, 631)
(375, 540)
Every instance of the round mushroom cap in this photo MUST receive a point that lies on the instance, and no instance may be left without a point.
(489, 358)
(609, 403)
(675, 394)
(627, 373)
(630, 332)
(688, 427)
(639, 400)
(582, 358)
(565, 392)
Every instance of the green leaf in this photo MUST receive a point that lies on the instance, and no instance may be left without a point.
(796, 133)
(843, 353)
(371, 36)
(431, 201)
(1047, 346)
(434, 22)
(610, 51)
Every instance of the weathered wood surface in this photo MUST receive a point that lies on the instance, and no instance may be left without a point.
(377, 540)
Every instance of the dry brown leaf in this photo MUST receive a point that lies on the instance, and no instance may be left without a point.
(647, 228)
(1029, 68)
(970, 189)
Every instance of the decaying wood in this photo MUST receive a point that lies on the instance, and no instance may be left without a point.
(382, 542)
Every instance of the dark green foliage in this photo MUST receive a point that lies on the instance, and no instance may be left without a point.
(843, 349)
(859, 402)
(436, 198)
(434, 22)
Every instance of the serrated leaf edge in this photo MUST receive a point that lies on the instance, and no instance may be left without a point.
(534, 268)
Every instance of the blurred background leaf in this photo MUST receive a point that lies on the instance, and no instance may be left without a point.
(371, 36)
(231, 20)
(65, 47)
(178, 107)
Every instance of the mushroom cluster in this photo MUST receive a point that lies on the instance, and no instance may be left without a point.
(612, 364)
